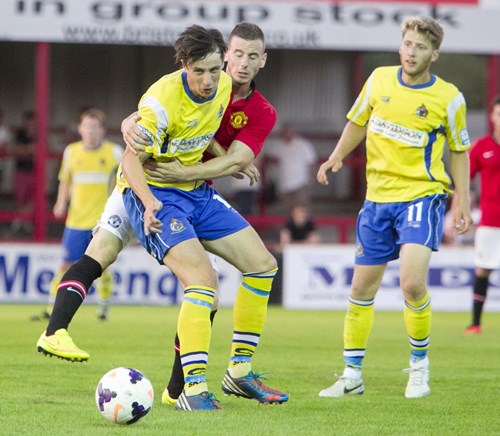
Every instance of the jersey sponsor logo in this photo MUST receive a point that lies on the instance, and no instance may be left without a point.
(422, 111)
(464, 137)
(192, 123)
(414, 138)
(176, 226)
(190, 144)
(488, 154)
(239, 120)
(115, 221)
(385, 99)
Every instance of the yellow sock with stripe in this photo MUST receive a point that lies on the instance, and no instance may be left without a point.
(194, 330)
(250, 311)
(54, 284)
(104, 288)
(418, 317)
(358, 324)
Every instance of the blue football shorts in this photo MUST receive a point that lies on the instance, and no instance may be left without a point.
(382, 228)
(201, 213)
(74, 243)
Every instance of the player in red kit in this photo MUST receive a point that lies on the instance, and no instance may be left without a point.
(485, 161)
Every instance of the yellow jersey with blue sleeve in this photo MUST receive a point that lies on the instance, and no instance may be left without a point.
(179, 124)
(407, 128)
(91, 173)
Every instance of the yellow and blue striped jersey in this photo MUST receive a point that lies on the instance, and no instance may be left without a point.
(179, 124)
(89, 173)
(407, 127)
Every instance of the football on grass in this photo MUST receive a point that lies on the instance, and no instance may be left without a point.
(124, 395)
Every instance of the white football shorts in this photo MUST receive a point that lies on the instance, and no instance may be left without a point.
(487, 247)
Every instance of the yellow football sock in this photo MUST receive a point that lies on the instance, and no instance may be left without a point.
(104, 288)
(250, 310)
(358, 324)
(418, 317)
(54, 284)
(194, 330)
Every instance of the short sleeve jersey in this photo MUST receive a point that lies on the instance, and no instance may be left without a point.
(89, 172)
(485, 160)
(407, 128)
(179, 124)
(248, 120)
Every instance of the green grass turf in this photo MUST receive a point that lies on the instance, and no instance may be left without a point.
(301, 349)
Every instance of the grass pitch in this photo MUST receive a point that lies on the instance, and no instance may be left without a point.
(301, 349)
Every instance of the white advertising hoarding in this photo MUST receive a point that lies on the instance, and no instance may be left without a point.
(26, 271)
(319, 277)
(471, 26)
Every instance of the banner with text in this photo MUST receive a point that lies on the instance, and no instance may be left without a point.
(26, 271)
(319, 277)
(471, 26)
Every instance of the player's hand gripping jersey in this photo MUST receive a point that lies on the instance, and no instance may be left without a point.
(407, 127)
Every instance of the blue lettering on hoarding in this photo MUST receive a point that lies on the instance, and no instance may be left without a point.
(323, 274)
(19, 273)
(43, 282)
(141, 278)
(167, 287)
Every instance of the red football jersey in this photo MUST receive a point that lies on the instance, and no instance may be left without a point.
(485, 160)
(248, 120)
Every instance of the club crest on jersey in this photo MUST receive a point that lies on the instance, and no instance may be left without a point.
(359, 250)
(239, 120)
(192, 123)
(221, 112)
(176, 226)
(422, 111)
(115, 221)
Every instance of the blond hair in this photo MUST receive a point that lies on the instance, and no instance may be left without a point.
(427, 26)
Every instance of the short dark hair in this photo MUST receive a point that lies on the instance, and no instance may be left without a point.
(248, 32)
(196, 43)
(95, 113)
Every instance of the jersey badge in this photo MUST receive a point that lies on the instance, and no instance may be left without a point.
(422, 111)
(488, 154)
(239, 120)
(359, 250)
(385, 99)
(221, 112)
(176, 226)
(192, 123)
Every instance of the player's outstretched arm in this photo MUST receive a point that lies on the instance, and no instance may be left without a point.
(351, 137)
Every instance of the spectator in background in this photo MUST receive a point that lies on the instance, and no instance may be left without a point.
(5, 142)
(299, 229)
(295, 158)
(24, 169)
(485, 161)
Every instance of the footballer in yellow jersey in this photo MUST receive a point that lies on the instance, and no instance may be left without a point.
(408, 128)
(408, 116)
(180, 125)
(87, 173)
